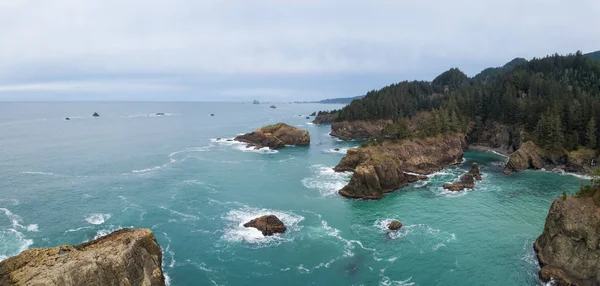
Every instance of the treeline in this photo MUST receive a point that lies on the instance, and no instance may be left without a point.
(555, 99)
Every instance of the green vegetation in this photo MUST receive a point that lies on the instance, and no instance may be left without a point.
(555, 100)
(327, 112)
(591, 189)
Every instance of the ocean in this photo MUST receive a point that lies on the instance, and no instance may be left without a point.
(66, 182)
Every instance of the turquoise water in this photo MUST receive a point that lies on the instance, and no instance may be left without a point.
(65, 182)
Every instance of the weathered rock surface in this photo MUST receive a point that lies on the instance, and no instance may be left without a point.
(325, 118)
(569, 248)
(384, 168)
(276, 136)
(348, 130)
(466, 181)
(124, 257)
(268, 225)
(394, 225)
(530, 156)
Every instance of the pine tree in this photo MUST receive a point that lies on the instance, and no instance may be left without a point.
(591, 133)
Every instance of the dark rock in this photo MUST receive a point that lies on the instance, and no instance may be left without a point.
(229, 140)
(212, 114)
(276, 136)
(324, 117)
(160, 114)
(466, 181)
(273, 106)
(336, 149)
(313, 114)
(218, 139)
(95, 114)
(67, 118)
(348, 130)
(307, 117)
(268, 225)
(394, 225)
(256, 102)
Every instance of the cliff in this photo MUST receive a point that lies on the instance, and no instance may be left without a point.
(124, 257)
(386, 167)
(530, 156)
(348, 130)
(568, 249)
(325, 118)
(276, 136)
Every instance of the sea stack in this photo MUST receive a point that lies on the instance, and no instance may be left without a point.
(276, 136)
(268, 225)
(466, 181)
(95, 114)
(124, 257)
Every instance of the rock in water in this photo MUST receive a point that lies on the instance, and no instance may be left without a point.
(307, 117)
(212, 114)
(160, 114)
(95, 114)
(394, 225)
(273, 106)
(276, 136)
(268, 225)
(466, 181)
(314, 113)
(67, 118)
(124, 257)
(381, 169)
(568, 249)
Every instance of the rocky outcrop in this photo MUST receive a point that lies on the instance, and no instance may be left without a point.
(95, 114)
(569, 248)
(276, 136)
(348, 130)
(325, 118)
(497, 136)
(124, 257)
(394, 225)
(530, 156)
(383, 168)
(466, 181)
(268, 225)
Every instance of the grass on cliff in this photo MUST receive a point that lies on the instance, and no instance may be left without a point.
(590, 190)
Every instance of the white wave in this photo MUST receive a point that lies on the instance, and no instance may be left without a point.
(236, 232)
(14, 241)
(241, 146)
(382, 225)
(563, 172)
(167, 279)
(147, 170)
(37, 173)
(386, 281)
(342, 151)
(17, 220)
(310, 123)
(334, 232)
(183, 215)
(107, 231)
(97, 218)
(326, 180)
(78, 229)
(169, 251)
(173, 159)
(264, 150)
(414, 174)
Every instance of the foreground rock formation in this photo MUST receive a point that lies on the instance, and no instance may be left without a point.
(275, 136)
(466, 181)
(568, 249)
(384, 168)
(325, 118)
(124, 257)
(268, 225)
(530, 156)
(348, 130)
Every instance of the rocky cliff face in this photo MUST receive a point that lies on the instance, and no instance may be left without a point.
(505, 138)
(124, 257)
(530, 156)
(384, 168)
(276, 136)
(348, 130)
(569, 248)
(325, 118)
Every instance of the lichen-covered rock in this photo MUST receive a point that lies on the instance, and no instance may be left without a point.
(384, 168)
(348, 130)
(466, 181)
(394, 225)
(568, 249)
(276, 136)
(124, 257)
(268, 225)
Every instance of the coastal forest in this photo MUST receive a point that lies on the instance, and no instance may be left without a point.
(555, 100)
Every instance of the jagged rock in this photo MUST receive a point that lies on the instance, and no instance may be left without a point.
(384, 168)
(348, 130)
(67, 118)
(313, 114)
(276, 136)
(394, 225)
(124, 257)
(568, 249)
(466, 181)
(95, 114)
(268, 225)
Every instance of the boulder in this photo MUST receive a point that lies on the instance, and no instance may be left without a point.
(160, 114)
(124, 257)
(95, 114)
(67, 118)
(268, 225)
(466, 181)
(568, 249)
(394, 225)
(276, 136)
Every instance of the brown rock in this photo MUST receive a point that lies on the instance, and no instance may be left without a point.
(529, 156)
(466, 181)
(348, 130)
(276, 136)
(124, 257)
(394, 225)
(268, 225)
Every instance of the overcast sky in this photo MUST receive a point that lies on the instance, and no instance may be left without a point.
(269, 50)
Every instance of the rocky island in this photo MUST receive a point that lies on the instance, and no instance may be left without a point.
(268, 225)
(124, 257)
(275, 136)
(466, 181)
(383, 168)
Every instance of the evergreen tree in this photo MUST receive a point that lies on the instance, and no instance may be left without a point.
(591, 133)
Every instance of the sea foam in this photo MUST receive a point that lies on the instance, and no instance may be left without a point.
(326, 180)
(236, 232)
(97, 218)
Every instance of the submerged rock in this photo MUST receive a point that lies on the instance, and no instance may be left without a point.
(384, 168)
(276, 136)
(124, 257)
(95, 114)
(268, 225)
(394, 225)
(466, 181)
(568, 249)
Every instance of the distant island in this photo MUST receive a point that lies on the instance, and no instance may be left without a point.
(340, 100)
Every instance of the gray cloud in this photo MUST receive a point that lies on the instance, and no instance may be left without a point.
(237, 49)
